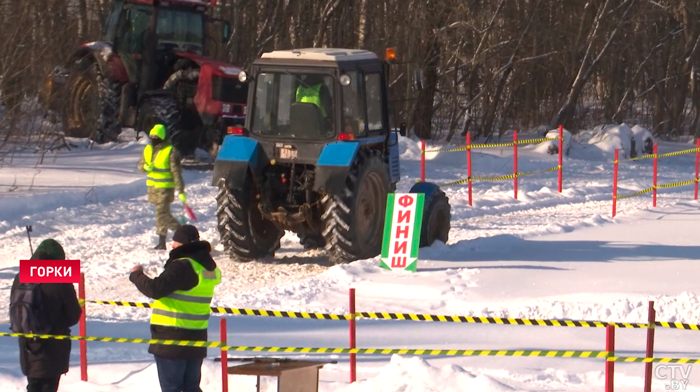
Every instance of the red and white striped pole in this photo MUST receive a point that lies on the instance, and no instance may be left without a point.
(561, 156)
(656, 162)
(422, 160)
(83, 329)
(469, 166)
(224, 356)
(650, 347)
(610, 365)
(697, 168)
(614, 207)
(353, 357)
(515, 164)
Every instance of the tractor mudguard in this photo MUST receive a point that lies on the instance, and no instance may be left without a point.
(394, 164)
(109, 64)
(237, 155)
(333, 166)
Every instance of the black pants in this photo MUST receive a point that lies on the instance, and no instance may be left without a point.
(182, 375)
(43, 384)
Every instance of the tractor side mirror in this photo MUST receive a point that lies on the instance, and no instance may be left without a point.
(227, 32)
(402, 129)
(418, 81)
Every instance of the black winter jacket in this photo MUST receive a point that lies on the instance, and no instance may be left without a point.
(51, 357)
(178, 274)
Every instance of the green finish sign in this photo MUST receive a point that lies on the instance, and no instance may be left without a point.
(404, 217)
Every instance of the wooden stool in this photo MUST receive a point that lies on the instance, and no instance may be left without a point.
(292, 375)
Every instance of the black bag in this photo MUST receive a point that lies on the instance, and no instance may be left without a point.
(27, 313)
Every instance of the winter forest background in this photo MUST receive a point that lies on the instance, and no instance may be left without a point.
(489, 65)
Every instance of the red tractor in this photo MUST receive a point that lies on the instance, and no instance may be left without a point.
(150, 67)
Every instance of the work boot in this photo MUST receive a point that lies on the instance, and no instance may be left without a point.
(161, 243)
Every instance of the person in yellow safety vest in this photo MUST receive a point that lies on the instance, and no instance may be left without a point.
(313, 90)
(183, 294)
(161, 161)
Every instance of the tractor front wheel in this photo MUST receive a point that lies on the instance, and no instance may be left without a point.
(436, 220)
(245, 233)
(354, 220)
(158, 109)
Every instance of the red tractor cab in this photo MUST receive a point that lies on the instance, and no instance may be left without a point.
(152, 66)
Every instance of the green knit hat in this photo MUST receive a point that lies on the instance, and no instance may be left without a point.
(49, 250)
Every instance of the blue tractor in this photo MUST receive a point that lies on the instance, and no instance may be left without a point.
(317, 156)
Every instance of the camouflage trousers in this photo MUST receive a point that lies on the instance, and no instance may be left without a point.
(165, 220)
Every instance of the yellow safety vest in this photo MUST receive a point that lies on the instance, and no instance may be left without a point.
(160, 176)
(188, 309)
(311, 95)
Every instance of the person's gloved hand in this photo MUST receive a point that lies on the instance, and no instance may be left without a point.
(183, 197)
(147, 167)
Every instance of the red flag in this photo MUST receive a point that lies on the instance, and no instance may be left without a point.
(189, 212)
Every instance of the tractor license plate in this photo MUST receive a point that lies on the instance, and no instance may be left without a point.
(288, 153)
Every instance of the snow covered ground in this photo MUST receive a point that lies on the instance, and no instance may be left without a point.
(545, 255)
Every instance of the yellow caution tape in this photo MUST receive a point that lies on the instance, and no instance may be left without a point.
(641, 157)
(459, 182)
(243, 312)
(189, 343)
(673, 154)
(643, 191)
(662, 186)
(370, 351)
(669, 154)
(662, 360)
(324, 350)
(523, 174)
(498, 320)
(422, 317)
(675, 184)
(448, 149)
(492, 145)
(533, 141)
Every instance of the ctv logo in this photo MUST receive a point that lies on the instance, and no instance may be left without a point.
(679, 376)
(49, 271)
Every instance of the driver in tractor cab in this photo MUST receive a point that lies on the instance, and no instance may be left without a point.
(313, 90)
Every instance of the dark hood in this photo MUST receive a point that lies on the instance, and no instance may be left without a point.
(49, 249)
(200, 251)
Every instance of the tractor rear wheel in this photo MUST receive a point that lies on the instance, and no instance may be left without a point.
(436, 220)
(158, 109)
(354, 221)
(245, 234)
(93, 101)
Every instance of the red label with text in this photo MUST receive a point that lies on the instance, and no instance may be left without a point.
(49, 271)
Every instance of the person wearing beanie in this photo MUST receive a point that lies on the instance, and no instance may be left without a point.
(161, 161)
(43, 361)
(183, 294)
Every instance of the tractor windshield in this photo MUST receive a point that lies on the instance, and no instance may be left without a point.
(182, 28)
(177, 30)
(293, 105)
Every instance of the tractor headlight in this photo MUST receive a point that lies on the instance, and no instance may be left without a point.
(242, 76)
(345, 80)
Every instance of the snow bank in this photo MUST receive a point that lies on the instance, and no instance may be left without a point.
(409, 149)
(552, 147)
(20, 206)
(643, 140)
(415, 374)
(609, 137)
